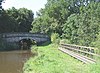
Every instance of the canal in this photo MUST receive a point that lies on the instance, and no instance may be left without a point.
(13, 61)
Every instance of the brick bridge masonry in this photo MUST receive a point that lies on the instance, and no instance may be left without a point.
(17, 37)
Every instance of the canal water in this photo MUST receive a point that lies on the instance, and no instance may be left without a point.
(13, 61)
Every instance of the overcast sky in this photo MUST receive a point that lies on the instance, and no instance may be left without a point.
(34, 5)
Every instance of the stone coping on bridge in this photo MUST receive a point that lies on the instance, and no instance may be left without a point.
(21, 34)
(17, 37)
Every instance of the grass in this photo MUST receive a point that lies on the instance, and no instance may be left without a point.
(51, 60)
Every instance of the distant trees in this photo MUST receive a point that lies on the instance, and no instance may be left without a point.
(54, 15)
(7, 23)
(16, 20)
(74, 20)
(1, 4)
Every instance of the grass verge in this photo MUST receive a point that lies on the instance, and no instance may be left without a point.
(51, 60)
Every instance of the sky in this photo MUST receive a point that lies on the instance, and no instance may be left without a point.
(34, 5)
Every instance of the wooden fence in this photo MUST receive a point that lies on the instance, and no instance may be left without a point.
(89, 52)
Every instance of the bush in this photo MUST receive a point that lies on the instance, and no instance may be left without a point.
(97, 43)
(34, 50)
(65, 41)
(57, 41)
(55, 38)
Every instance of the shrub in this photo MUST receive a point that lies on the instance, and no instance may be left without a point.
(34, 50)
(65, 41)
(55, 38)
(97, 43)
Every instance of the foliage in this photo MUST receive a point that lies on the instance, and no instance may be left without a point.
(51, 18)
(34, 50)
(1, 5)
(89, 23)
(6, 22)
(54, 37)
(70, 29)
(96, 43)
(82, 28)
(77, 20)
(51, 60)
(44, 24)
(65, 41)
(16, 20)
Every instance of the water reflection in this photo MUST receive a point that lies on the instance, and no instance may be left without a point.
(12, 61)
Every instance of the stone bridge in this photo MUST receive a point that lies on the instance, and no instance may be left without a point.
(17, 37)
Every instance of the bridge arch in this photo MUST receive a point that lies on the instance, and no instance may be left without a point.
(16, 38)
(26, 43)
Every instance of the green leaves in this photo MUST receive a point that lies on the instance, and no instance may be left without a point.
(77, 21)
(82, 28)
(51, 18)
(16, 20)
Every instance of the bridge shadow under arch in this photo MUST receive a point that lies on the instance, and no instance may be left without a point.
(25, 44)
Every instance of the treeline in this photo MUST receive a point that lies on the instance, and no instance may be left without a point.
(78, 21)
(15, 20)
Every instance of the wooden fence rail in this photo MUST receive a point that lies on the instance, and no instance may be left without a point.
(90, 52)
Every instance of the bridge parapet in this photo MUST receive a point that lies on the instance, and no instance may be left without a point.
(6, 35)
(16, 37)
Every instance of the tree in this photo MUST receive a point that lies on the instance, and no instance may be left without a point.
(89, 24)
(44, 24)
(83, 28)
(1, 7)
(7, 23)
(1, 4)
(70, 29)
(76, 20)
(55, 14)
(16, 20)
(23, 17)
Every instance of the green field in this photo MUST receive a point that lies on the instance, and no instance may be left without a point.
(51, 60)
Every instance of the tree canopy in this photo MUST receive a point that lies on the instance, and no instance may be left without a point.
(16, 20)
(78, 21)
(75, 20)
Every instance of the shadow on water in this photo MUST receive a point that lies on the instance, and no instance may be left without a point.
(13, 61)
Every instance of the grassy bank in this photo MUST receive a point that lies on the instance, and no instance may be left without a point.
(51, 60)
